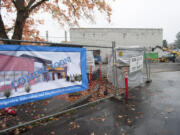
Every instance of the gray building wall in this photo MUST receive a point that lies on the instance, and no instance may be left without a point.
(122, 36)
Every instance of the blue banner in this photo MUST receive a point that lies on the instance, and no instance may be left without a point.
(30, 73)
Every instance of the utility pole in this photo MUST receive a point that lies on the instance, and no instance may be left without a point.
(47, 36)
(65, 35)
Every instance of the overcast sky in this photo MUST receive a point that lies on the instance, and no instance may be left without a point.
(133, 14)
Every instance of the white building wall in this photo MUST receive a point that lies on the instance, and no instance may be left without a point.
(122, 37)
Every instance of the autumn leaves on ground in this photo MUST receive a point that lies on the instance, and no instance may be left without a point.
(32, 111)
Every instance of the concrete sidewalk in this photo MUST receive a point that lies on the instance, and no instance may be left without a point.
(152, 110)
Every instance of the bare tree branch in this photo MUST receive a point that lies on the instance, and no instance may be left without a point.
(74, 10)
(37, 4)
(9, 29)
(14, 3)
(30, 3)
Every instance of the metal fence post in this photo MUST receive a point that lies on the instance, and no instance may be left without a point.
(114, 68)
(148, 70)
(146, 63)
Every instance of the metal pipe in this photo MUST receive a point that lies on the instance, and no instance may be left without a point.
(116, 77)
(146, 64)
(114, 68)
(53, 115)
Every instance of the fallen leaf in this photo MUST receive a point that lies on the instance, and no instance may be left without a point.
(56, 118)
(78, 126)
(170, 110)
(128, 121)
(46, 103)
(101, 119)
(20, 123)
(3, 125)
(122, 129)
(74, 125)
(16, 131)
(71, 123)
(30, 127)
(92, 133)
(51, 118)
(120, 116)
(52, 133)
(91, 118)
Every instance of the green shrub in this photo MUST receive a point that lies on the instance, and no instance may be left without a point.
(79, 78)
(7, 93)
(27, 88)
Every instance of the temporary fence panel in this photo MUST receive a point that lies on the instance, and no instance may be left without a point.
(30, 73)
(76, 93)
(131, 57)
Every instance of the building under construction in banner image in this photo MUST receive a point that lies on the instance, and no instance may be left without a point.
(19, 66)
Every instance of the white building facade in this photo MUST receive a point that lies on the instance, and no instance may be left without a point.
(142, 37)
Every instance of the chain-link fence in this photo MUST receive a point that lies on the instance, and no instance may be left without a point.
(40, 112)
(105, 73)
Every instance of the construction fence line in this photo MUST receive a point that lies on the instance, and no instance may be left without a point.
(102, 71)
(99, 89)
(53, 44)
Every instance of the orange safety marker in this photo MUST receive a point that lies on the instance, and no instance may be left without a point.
(100, 73)
(126, 82)
(90, 76)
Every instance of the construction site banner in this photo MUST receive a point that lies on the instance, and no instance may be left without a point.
(30, 73)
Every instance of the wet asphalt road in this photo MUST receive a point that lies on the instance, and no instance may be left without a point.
(153, 109)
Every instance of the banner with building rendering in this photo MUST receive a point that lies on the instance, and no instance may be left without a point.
(30, 73)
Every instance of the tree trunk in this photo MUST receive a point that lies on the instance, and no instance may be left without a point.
(2, 30)
(22, 15)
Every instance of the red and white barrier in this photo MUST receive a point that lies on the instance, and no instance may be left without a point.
(90, 76)
(100, 72)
